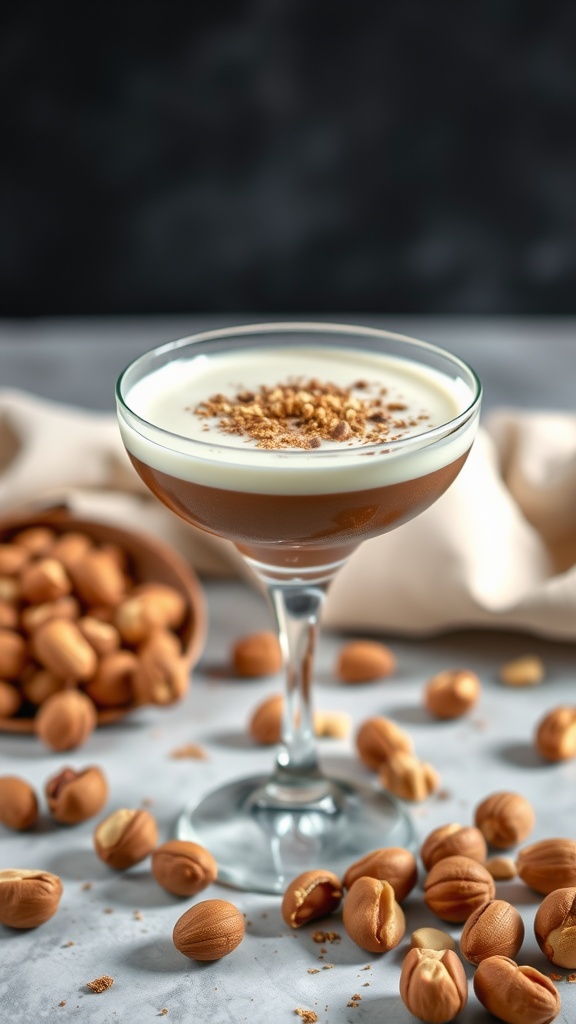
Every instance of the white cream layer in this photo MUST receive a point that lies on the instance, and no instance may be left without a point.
(171, 438)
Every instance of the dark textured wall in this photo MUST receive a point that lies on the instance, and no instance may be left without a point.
(288, 155)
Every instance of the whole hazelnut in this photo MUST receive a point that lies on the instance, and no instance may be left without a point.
(125, 838)
(10, 699)
(372, 917)
(18, 803)
(209, 930)
(13, 654)
(183, 868)
(493, 929)
(516, 995)
(378, 738)
(257, 655)
(555, 927)
(75, 796)
(364, 661)
(555, 737)
(527, 670)
(161, 675)
(265, 724)
(433, 985)
(112, 684)
(505, 819)
(310, 895)
(452, 693)
(548, 864)
(60, 647)
(455, 886)
(65, 720)
(448, 840)
(28, 898)
(44, 580)
(392, 864)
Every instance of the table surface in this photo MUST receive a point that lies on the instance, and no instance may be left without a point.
(121, 924)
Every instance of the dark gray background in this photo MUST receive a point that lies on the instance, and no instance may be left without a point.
(287, 155)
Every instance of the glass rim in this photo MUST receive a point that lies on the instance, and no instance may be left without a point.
(320, 327)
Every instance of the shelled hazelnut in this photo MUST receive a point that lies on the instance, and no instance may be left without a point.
(555, 737)
(407, 777)
(28, 898)
(451, 839)
(209, 930)
(494, 929)
(18, 803)
(516, 994)
(525, 671)
(505, 819)
(372, 916)
(364, 661)
(310, 895)
(433, 985)
(256, 655)
(125, 838)
(65, 720)
(183, 868)
(75, 796)
(555, 927)
(452, 693)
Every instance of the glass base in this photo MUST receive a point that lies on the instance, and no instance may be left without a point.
(261, 845)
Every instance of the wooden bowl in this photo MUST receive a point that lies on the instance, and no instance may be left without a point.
(149, 560)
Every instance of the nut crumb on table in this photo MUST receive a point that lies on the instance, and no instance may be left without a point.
(100, 984)
(307, 1015)
(189, 750)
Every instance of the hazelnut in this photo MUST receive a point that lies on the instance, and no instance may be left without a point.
(125, 838)
(433, 985)
(310, 895)
(60, 647)
(447, 840)
(97, 578)
(392, 864)
(13, 558)
(333, 724)
(111, 685)
(555, 927)
(378, 738)
(18, 803)
(44, 580)
(456, 886)
(364, 661)
(431, 938)
(65, 720)
(10, 699)
(13, 654)
(525, 671)
(36, 540)
(516, 995)
(555, 737)
(407, 777)
(209, 930)
(102, 636)
(150, 606)
(505, 819)
(257, 655)
(452, 693)
(161, 674)
(548, 864)
(8, 614)
(183, 868)
(493, 929)
(265, 725)
(75, 796)
(372, 917)
(35, 615)
(70, 547)
(502, 869)
(41, 685)
(28, 898)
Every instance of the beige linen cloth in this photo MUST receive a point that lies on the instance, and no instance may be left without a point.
(497, 550)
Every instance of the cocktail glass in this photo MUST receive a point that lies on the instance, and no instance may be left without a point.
(296, 513)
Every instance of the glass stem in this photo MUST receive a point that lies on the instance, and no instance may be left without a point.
(297, 609)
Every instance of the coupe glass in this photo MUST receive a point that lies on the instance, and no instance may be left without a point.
(296, 514)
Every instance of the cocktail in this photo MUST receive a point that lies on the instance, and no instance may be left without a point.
(297, 442)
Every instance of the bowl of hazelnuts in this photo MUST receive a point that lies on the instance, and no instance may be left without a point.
(95, 621)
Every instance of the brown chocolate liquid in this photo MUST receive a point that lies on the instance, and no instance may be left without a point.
(298, 529)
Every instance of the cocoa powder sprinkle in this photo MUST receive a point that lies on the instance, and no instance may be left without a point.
(303, 413)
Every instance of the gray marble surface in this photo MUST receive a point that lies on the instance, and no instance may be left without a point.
(122, 924)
